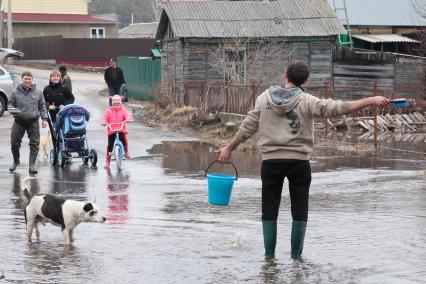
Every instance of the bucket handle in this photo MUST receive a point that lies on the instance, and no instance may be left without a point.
(211, 164)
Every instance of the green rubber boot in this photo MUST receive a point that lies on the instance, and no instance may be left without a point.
(269, 238)
(298, 230)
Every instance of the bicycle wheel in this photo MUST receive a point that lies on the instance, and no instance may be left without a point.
(118, 156)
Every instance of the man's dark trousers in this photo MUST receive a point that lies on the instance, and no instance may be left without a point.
(112, 91)
(18, 131)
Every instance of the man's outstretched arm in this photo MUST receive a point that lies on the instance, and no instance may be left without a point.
(372, 101)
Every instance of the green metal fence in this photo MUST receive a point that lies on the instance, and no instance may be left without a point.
(142, 75)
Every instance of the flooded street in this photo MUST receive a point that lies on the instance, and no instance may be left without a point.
(367, 216)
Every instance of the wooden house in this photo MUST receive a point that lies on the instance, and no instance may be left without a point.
(383, 25)
(69, 19)
(207, 46)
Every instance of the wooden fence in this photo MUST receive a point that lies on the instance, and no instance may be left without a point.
(355, 74)
(241, 98)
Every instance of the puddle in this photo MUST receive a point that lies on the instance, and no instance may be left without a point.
(191, 158)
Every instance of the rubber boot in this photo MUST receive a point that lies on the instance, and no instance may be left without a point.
(127, 153)
(126, 148)
(16, 161)
(33, 159)
(298, 230)
(107, 161)
(269, 238)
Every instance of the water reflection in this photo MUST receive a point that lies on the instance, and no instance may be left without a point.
(344, 150)
(33, 186)
(271, 273)
(45, 261)
(70, 179)
(192, 158)
(332, 151)
(118, 197)
(300, 271)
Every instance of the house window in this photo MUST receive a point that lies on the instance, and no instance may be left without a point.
(236, 66)
(97, 32)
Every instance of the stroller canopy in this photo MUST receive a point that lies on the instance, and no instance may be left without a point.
(70, 110)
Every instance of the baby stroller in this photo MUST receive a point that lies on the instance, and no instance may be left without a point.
(70, 135)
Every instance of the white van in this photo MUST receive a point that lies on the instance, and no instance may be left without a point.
(6, 81)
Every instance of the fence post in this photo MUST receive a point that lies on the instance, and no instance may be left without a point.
(226, 98)
(375, 116)
(203, 94)
(185, 94)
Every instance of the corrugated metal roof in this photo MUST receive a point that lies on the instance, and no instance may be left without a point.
(217, 19)
(381, 12)
(139, 30)
(376, 38)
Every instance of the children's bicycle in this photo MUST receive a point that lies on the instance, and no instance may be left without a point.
(118, 148)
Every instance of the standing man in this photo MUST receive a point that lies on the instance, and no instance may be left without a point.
(30, 105)
(283, 121)
(66, 80)
(114, 78)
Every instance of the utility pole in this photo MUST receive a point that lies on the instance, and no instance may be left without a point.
(9, 25)
(1, 23)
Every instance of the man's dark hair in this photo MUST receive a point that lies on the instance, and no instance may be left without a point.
(112, 60)
(62, 68)
(297, 73)
(26, 73)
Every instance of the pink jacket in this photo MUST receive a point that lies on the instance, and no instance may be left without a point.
(113, 116)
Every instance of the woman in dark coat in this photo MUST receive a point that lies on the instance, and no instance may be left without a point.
(56, 96)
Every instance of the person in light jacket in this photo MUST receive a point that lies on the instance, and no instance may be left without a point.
(283, 121)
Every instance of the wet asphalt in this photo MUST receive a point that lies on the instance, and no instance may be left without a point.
(366, 223)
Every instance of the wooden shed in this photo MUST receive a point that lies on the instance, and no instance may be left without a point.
(210, 47)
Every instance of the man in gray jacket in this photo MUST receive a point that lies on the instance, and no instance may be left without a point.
(283, 121)
(30, 105)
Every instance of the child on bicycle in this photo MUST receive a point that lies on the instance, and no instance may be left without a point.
(115, 116)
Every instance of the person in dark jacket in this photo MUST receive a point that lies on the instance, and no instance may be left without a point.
(28, 103)
(56, 96)
(66, 80)
(114, 78)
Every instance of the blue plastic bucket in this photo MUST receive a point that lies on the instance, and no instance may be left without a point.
(220, 187)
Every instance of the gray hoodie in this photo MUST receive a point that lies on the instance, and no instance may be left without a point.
(283, 121)
(30, 102)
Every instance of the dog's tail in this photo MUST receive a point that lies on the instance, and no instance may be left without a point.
(25, 185)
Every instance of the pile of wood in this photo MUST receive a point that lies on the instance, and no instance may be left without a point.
(400, 123)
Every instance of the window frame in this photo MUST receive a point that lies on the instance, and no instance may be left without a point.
(97, 32)
(236, 64)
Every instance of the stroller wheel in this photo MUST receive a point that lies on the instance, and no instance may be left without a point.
(62, 158)
(93, 156)
(53, 157)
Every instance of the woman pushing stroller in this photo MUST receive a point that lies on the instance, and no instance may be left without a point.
(56, 96)
(115, 115)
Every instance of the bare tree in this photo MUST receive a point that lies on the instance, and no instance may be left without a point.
(245, 65)
(247, 61)
(142, 10)
(156, 6)
(419, 7)
(1, 23)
